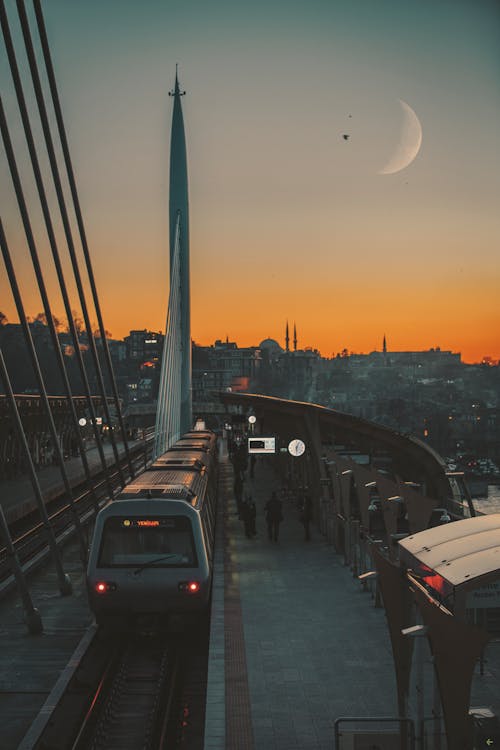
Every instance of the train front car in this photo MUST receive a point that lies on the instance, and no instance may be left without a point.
(152, 549)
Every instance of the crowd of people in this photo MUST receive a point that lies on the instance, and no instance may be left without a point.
(297, 499)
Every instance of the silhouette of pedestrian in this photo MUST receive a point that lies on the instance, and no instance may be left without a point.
(238, 492)
(249, 513)
(305, 516)
(274, 516)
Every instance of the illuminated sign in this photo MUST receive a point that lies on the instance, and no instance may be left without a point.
(147, 522)
(262, 445)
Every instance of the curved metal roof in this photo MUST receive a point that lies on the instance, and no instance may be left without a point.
(461, 552)
(409, 450)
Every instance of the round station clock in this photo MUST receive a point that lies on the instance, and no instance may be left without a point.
(296, 447)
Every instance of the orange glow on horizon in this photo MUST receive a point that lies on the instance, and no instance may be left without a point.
(357, 318)
(411, 318)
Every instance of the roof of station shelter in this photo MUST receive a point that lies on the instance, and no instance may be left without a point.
(464, 553)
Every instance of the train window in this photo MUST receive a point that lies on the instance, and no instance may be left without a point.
(153, 542)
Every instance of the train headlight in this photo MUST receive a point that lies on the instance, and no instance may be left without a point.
(103, 587)
(189, 587)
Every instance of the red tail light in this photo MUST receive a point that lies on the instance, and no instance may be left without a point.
(102, 587)
(190, 587)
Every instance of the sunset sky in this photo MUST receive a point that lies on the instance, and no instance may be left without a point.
(289, 220)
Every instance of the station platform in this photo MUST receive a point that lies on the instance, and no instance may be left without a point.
(16, 495)
(295, 641)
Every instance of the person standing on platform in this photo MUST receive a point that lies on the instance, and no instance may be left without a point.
(238, 493)
(306, 516)
(274, 516)
(249, 513)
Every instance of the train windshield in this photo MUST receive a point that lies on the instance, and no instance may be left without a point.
(147, 543)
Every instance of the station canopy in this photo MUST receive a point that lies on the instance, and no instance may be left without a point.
(455, 557)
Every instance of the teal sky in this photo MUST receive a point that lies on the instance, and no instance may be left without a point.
(288, 219)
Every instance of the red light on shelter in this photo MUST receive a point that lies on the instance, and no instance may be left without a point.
(101, 588)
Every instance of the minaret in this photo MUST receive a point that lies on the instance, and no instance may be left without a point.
(294, 337)
(287, 338)
(384, 346)
(178, 208)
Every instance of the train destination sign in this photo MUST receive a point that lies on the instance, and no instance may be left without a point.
(150, 523)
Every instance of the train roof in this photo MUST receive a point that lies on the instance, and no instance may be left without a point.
(191, 445)
(183, 459)
(181, 484)
(170, 492)
(140, 505)
(179, 460)
(206, 434)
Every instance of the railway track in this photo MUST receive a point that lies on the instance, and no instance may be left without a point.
(141, 691)
(28, 535)
(131, 710)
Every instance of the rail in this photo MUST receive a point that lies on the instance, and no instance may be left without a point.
(30, 538)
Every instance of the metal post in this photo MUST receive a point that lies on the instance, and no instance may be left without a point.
(355, 547)
(32, 615)
(436, 708)
(419, 685)
(419, 671)
(64, 580)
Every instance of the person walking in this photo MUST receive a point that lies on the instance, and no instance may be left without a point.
(274, 516)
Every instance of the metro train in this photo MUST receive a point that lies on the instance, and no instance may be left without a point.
(152, 548)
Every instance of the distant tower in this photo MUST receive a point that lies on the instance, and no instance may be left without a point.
(287, 339)
(178, 209)
(384, 346)
(294, 337)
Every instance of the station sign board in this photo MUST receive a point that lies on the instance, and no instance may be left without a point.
(261, 445)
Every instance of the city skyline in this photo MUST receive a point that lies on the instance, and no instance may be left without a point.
(289, 219)
(279, 339)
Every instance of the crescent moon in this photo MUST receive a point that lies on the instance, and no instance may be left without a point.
(409, 143)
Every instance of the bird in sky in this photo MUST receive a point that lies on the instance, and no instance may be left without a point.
(346, 136)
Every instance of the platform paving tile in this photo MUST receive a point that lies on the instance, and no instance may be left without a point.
(316, 647)
(17, 497)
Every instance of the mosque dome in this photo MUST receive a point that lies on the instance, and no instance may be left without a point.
(271, 346)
